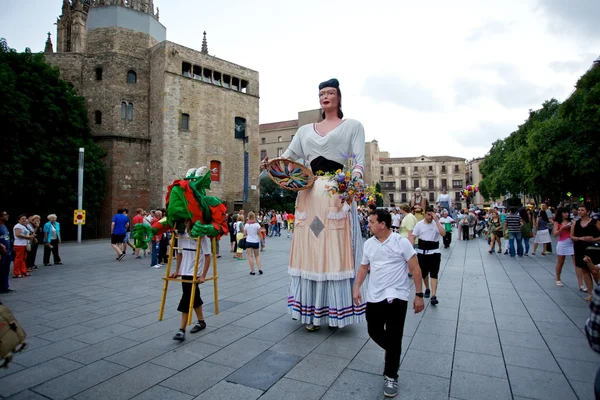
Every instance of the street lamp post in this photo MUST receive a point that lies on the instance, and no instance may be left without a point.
(80, 190)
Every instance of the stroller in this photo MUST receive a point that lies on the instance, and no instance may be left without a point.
(479, 228)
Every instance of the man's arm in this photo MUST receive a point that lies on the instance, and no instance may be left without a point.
(176, 273)
(440, 228)
(112, 227)
(415, 270)
(202, 278)
(360, 278)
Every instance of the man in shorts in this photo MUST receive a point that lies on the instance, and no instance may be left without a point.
(126, 241)
(118, 229)
(429, 231)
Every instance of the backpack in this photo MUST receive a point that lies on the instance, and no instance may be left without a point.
(12, 336)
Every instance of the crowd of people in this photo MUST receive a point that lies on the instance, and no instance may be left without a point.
(22, 246)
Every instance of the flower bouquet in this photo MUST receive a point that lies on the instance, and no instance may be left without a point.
(347, 186)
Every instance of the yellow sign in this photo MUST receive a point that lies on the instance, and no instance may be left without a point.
(79, 217)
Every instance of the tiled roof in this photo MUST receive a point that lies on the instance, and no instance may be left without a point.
(278, 125)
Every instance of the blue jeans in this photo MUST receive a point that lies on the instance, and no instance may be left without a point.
(512, 236)
(526, 241)
(155, 249)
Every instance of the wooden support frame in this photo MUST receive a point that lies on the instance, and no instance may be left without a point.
(167, 278)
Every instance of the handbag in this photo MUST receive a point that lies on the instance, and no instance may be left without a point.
(242, 244)
(12, 336)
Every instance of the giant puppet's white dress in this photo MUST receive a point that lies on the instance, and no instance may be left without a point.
(327, 244)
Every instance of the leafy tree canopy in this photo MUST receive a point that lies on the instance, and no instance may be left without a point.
(273, 197)
(43, 125)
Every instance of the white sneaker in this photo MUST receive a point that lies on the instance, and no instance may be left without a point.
(157, 266)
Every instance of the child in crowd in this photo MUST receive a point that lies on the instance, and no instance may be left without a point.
(263, 236)
(186, 258)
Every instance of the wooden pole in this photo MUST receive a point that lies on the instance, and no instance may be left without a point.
(167, 273)
(215, 276)
(195, 278)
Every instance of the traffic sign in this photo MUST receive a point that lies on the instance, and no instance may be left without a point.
(79, 217)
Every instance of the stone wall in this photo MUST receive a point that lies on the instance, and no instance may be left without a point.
(119, 40)
(157, 122)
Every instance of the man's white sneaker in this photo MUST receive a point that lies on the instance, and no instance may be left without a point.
(157, 266)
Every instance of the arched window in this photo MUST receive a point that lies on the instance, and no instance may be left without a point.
(98, 117)
(123, 110)
(131, 77)
(98, 74)
(130, 112)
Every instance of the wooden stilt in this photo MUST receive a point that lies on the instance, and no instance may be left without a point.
(195, 279)
(167, 273)
(215, 276)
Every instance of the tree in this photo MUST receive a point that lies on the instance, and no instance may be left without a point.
(378, 196)
(274, 197)
(44, 123)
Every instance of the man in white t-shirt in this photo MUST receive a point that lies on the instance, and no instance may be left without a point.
(396, 221)
(387, 257)
(429, 231)
(186, 258)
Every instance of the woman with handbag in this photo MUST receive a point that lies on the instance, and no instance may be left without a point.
(251, 234)
(239, 235)
(38, 236)
(585, 233)
(526, 228)
(496, 232)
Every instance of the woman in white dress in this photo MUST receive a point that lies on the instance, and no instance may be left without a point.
(327, 244)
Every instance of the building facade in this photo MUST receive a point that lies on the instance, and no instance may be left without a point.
(275, 137)
(156, 107)
(473, 177)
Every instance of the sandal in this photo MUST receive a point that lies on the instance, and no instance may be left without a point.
(543, 253)
(588, 299)
(559, 283)
(17, 276)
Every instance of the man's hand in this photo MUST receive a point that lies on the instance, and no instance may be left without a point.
(418, 304)
(174, 275)
(201, 279)
(356, 296)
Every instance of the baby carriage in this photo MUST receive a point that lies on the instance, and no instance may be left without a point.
(479, 228)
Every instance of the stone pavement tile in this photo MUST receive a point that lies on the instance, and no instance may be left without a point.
(359, 331)
(28, 395)
(239, 353)
(510, 309)
(301, 342)
(35, 343)
(417, 386)
(369, 360)
(277, 308)
(425, 362)
(226, 335)
(434, 343)
(33, 357)
(223, 318)
(442, 312)
(105, 333)
(118, 308)
(552, 316)
(33, 376)
(537, 384)
(197, 378)
(226, 391)
(515, 324)
(576, 370)
(318, 369)
(14, 367)
(144, 352)
(576, 311)
(142, 320)
(186, 355)
(65, 333)
(484, 316)
(35, 330)
(353, 384)
(265, 370)
(153, 330)
(438, 327)
(560, 329)
(478, 328)
(289, 389)
(583, 390)
(482, 364)
(534, 305)
(530, 340)
(571, 348)
(341, 346)
(162, 393)
(117, 317)
(256, 320)
(275, 331)
(505, 299)
(79, 380)
(90, 354)
(71, 320)
(224, 305)
(530, 358)
(128, 384)
(478, 344)
(469, 386)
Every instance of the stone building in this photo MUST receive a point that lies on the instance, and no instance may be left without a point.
(473, 177)
(156, 107)
(276, 137)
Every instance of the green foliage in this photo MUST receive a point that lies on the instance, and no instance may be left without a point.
(273, 197)
(44, 123)
(554, 152)
(378, 197)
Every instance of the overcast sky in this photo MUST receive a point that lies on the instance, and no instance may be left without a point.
(445, 78)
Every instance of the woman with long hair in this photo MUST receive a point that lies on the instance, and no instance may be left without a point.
(239, 235)
(564, 248)
(326, 245)
(232, 239)
(496, 232)
(585, 232)
(251, 233)
(22, 238)
(542, 235)
(526, 228)
(38, 237)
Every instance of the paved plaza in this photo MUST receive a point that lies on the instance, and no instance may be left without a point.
(502, 330)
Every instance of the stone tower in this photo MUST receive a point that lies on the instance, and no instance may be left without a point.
(71, 35)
